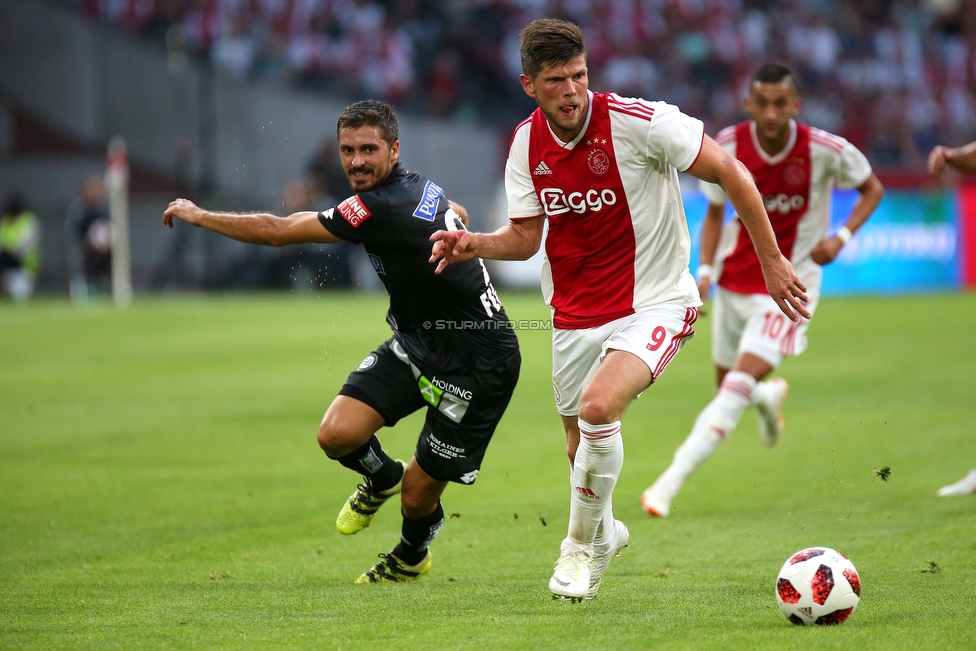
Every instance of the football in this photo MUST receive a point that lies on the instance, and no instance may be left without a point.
(818, 586)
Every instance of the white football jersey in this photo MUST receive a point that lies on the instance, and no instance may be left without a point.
(796, 186)
(618, 240)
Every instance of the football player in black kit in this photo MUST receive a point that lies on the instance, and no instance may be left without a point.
(452, 350)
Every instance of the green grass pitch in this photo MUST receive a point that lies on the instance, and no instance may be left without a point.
(161, 487)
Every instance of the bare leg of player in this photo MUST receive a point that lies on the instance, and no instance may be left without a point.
(348, 435)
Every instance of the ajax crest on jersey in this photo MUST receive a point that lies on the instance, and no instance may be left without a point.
(818, 586)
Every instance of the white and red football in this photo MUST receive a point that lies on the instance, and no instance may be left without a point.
(818, 585)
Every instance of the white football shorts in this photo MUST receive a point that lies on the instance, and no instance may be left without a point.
(655, 335)
(753, 323)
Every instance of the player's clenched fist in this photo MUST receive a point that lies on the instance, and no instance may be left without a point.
(962, 158)
(937, 160)
(452, 246)
(826, 250)
(183, 209)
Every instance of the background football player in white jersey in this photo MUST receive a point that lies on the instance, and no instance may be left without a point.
(603, 170)
(963, 159)
(796, 168)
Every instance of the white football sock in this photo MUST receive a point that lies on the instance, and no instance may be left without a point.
(714, 423)
(605, 530)
(599, 459)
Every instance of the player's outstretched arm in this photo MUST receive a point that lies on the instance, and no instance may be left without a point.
(715, 165)
(827, 250)
(254, 228)
(962, 158)
(519, 240)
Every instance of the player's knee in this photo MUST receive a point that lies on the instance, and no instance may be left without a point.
(332, 438)
(595, 408)
(325, 438)
(416, 504)
(410, 504)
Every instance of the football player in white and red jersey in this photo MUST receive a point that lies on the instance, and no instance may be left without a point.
(796, 168)
(603, 170)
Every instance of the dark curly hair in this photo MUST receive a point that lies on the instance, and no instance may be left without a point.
(370, 113)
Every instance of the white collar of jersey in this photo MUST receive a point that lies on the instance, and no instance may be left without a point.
(772, 160)
(586, 123)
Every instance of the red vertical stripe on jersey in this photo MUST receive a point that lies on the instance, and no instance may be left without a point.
(591, 244)
(967, 234)
(785, 189)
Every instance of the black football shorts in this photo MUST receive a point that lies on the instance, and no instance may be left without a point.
(462, 410)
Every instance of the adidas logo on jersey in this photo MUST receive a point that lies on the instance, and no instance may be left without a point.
(541, 169)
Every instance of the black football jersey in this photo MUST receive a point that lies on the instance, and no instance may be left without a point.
(447, 321)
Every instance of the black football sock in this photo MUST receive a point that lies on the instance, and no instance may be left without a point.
(380, 470)
(416, 535)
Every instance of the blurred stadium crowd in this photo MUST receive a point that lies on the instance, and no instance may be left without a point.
(894, 77)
